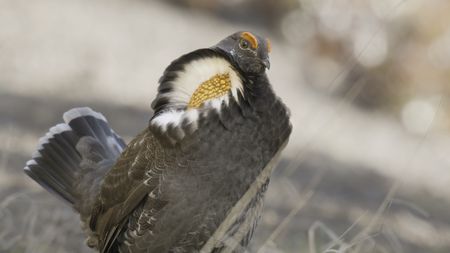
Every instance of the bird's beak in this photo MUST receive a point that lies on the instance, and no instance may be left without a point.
(266, 63)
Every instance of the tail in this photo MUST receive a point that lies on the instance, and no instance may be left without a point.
(75, 154)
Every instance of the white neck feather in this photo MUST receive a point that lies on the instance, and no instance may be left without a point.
(187, 81)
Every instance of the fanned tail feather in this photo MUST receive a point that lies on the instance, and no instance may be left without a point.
(57, 164)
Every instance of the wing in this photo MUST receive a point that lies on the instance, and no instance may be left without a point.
(125, 188)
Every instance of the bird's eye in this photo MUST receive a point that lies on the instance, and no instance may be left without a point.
(244, 44)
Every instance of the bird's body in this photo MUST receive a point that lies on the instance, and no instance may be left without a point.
(193, 180)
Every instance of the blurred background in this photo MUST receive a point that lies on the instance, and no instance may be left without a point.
(367, 168)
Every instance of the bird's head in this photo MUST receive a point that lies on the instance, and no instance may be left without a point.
(248, 51)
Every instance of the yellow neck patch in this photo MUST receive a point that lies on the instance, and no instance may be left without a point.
(215, 87)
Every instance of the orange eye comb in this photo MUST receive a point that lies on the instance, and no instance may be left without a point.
(250, 38)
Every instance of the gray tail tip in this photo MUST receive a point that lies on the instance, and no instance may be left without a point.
(82, 112)
(27, 169)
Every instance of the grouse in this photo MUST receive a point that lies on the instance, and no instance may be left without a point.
(194, 179)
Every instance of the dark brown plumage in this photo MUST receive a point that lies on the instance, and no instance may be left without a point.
(194, 179)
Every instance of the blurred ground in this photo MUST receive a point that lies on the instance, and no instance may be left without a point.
(367, 167)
